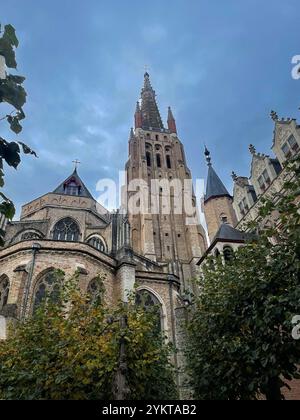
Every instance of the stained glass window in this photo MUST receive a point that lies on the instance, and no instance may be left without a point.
(66, 230)
(4, 291)
(149, 302)
(47, 287)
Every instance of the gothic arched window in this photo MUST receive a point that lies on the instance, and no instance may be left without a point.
(228, 253)
(169, 165)
(97, 243)
(46, 287)
(158, 160)
(95, 291)
(66, 230)
(30, 235)
(4, 291)
(149, 302)
(148, 157)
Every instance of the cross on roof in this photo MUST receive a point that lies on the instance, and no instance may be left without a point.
(76, 163)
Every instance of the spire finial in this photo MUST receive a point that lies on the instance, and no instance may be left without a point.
(76, 163)
(252, 149)
(234, 176)
(274, 116)
(208, 156)
(147, 83)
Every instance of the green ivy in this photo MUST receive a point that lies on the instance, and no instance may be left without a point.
(240, 342)
(13, 93)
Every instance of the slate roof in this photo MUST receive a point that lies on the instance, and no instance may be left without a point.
(215, 187)
(84, 192)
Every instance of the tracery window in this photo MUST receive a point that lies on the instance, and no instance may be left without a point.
(150, 302)
(97, 243)
(95, 291)
(30, 235)
(66, 230)
(47, 287)
(4, 291)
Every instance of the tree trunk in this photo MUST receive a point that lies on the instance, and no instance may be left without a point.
(273, 390)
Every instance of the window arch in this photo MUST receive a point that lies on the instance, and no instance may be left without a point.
(228, 253)
(66, 230)
(26, 236)
(149, 301)
(4, 291)
(223, 218)
(46, 287)
(158, 160)
(168, 159)
(97, 243)
(95, 291)
(148, 158)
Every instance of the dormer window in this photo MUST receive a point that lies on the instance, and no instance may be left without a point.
(71, 187)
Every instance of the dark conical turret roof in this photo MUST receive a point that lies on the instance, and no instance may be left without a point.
(75, 179)
(214, 187)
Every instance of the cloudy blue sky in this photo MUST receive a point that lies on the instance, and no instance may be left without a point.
(222, 65)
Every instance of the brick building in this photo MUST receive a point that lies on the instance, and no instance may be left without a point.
(155, 251)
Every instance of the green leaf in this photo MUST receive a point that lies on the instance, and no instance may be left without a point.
(16, 79)
(7, 209)
(10, 152)
(10, 34)
(12, 93)
(15, 126)
(8, 53)
(27, 149)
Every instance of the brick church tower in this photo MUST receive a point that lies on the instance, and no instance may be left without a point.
(175, 239)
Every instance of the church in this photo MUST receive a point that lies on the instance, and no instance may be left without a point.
(156, 253)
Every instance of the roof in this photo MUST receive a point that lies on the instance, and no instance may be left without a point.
(83, 192)
(215, 187)
(227, 233)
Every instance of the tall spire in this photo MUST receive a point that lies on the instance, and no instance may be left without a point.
(171, 121)
(138, 121)
(215, 187)
(150, 113)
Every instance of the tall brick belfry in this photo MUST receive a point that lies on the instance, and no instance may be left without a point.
(171, 238)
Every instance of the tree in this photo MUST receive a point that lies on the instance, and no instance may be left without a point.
(240, 334)
(14, 95)
(70, 349)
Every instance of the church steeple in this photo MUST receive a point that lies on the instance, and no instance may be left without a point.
(171, 121)
(138, 121)
(151, 118)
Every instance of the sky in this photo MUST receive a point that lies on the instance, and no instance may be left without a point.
(221, 65)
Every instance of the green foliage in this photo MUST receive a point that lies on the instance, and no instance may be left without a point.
(70, 350)
(12, 93)
(240, 335)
